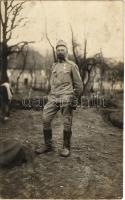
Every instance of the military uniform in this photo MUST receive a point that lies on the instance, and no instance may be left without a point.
(65, 84)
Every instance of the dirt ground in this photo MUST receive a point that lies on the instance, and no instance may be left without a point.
(93, 171)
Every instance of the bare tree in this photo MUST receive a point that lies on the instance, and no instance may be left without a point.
(33, 70)
(89, 75)
(48, 39)
(103, 66)
(24, 54)
(46, 32)
(9, 20)
(74, 45)
(84, 66)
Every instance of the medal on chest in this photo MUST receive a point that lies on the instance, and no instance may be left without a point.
(64, 67)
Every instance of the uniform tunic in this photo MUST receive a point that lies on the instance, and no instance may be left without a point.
(65, 83)
(65, 79)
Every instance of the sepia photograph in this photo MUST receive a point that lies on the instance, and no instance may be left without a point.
(61, 99)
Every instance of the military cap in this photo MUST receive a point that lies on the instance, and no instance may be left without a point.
(61, 43)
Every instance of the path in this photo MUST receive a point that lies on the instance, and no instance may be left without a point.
(94, 169)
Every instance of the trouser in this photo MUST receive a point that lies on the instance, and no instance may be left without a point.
(50, 110)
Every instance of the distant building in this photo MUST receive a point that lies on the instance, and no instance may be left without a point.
(37, 79)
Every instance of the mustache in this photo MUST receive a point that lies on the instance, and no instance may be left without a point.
(61, 56)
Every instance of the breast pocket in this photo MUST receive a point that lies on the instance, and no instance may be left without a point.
(66, 76)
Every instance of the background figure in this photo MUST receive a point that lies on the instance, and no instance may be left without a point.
(5, 99)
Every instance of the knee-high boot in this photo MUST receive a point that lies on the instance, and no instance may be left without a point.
(65, 152)
(48, 142)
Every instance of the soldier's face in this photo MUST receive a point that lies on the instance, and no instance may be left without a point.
(61, 52)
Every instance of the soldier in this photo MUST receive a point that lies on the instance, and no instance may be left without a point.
(65, 84)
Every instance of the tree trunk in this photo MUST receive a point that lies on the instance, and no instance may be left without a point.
(4, 63)
(24, 66)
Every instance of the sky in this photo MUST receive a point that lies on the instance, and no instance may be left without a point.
(100, 22)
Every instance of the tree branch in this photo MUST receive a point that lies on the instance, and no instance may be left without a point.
(54, 55)
(74, 46)
(13, 7)
(1, 18)
(17, 48)
(10, 5)
(14, 26)
(23, 42)
(15, 12)
(16, 9)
